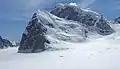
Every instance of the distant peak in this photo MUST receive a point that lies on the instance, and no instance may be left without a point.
(34, 15)
(75, 7)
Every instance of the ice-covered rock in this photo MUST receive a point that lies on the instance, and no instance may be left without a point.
(87, 17)
(4, 43)
(67, 23)
(117, 20)
(45, 28)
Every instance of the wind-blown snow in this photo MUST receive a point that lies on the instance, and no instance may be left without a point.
(73, 4)
(89, 10)
(62, 30)
(102, 53)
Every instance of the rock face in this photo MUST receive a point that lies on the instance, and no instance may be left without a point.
(45, 28)
(66, 23)
(33, 38)
(117, 20)
(4, 43)
(88, 18)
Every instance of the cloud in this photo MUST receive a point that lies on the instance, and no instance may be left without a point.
(20, 9)
(118, 8)
(31, 4)
(74, 4)
(86, 3)
(26, 4)
(38, 4)
(117, 3)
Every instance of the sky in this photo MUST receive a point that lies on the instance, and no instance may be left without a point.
(15, 14)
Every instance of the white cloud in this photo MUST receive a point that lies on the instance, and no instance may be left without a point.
(25, 8)
(117, 3)
(86, 3)
(118, 8)
(33, 3)
(74, 4)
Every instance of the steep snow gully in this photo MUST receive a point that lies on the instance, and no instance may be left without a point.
(67, 44)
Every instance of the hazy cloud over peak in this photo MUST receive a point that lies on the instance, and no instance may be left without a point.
(86, 3)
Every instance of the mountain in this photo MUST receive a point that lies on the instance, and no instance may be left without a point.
(66, 23)
(15, 43)
(87, 17)
(4, 43)
(117, 20)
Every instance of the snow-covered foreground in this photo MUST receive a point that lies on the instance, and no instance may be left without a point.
(101, 53)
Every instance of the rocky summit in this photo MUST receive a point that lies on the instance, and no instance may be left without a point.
(4, 43)
(117, 20)
(33, 38)
(87, 17)
(66, 23)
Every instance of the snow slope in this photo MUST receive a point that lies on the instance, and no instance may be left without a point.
(102, 53)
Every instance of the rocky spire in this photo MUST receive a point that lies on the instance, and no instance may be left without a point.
(4, 43)
(34, 39)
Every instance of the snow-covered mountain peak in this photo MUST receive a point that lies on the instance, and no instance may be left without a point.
(76, 8)
(66, 23)
(61, 5)
(73, 4)
(117, 20)
(4, 43)
(71, 38)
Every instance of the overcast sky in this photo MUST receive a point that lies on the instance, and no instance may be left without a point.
(15, 14)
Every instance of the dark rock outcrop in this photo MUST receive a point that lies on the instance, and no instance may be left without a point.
(33, 39)
(4, 43)
(117, 20)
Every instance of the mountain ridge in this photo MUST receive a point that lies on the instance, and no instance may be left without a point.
(4, 43)
(67, 23)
